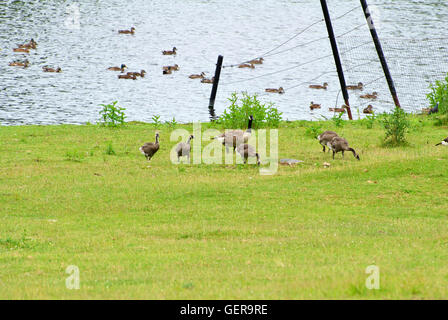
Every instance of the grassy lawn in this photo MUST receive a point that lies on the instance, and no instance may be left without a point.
(221, 231)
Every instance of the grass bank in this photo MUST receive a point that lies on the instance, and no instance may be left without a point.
(220, 232)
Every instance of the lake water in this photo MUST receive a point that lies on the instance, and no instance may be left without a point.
(414, 35)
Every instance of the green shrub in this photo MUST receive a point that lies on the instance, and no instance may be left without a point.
(396, 125)
(171, 124)
(236, 115)
(110, 149)
(439, 94)
(338, 121)
(314, 130)
(74, 156)
(112, 115)
(156, 121)
(369, 121)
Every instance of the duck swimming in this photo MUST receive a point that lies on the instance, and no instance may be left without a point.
(360, 86)
(122, 68)
(257, 61)
(317, 86)
(246, 65)
(132, 31)
(372, 96)
(197, 76)
(47, 69)
(279, 90)
(138, 74)
(169, 53)
(208, 80)
(30, 45)
(127, 76)
(314, 106)
(24, 64)
(23, 50)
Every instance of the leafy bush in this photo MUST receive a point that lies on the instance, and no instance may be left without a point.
(110, 149)
(156, 121)
(112, 115)
(396, 125)
(314, 130)
(171, 124)
(236, 115)
(439, 94)
(369, 121)
(338, 121)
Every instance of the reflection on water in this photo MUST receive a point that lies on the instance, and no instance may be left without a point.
(201, 30)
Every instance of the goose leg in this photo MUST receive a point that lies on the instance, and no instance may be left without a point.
(323, 149)
(333, 154)
(342, 153)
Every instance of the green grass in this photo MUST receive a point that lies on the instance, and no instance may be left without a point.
(223, 231)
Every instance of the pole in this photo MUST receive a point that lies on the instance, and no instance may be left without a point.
(211, 105)
(337, 59)
(380, 52)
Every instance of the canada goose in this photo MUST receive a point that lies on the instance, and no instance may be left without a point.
(172, 68)
(325, 139)
(233, 138)
(183, 149)
(372, 96)
(247, 151)
(30, 45)
(197, 76)
(257, 61)
(24, 64)
(47, 69)
(132, 31)
(339, 110)
(208, 80)
(279, 90)
(318, 86)
(314, 106)
(169, 53)
(246, 65)
(368, 110)
(443, 143)
(122, 68)
(339, 144)
(149, 149)
(360, 86)
(127, 76)
(137, 74)
(23, 50)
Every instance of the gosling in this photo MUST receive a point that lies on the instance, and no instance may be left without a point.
(247, 151)
(325, 139)
(339, 144)
(183, 149)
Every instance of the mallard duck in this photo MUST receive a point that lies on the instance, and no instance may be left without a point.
(208, 80)
(24, 64)
(339, 110)
(368, 110)
(127, 76)
(149, 149)
(138, 74)
(23, 50)
(172, 68)
(47, 69)
(318, 86)
(360, 86)
(279, 90)
(372, 96)
(314, 106)
(197, 76)
(246, 65)
(122, 68)
(132, 31)
(169, 53)
(257, 61)
(30, 45)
